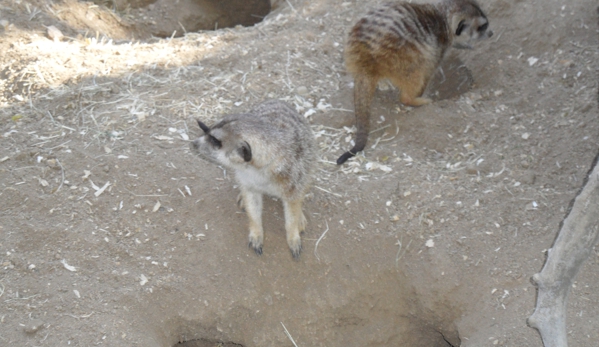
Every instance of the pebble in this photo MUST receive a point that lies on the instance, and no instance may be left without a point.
(54, 33)
(586, 108)
(471, 169)
(52, 163)
(302, 90)
(4, 23)
(529, 178)
(34, 326)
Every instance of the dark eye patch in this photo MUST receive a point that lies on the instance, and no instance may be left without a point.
(483, 27)
(461, 26)
(214, 141)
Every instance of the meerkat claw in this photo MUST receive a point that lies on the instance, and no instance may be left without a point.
(256, 248)
(295, 252)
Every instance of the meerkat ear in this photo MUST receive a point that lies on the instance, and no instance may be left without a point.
(203, 126)
(461, 26)
(245, 151)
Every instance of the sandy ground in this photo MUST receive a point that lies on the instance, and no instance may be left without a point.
(112, 233)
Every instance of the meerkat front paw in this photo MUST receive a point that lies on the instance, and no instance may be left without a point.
(256, 242)
(295, 246)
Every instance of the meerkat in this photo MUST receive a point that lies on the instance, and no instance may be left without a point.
(272, 151)
(405, 43)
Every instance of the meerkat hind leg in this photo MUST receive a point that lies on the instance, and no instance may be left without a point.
(252, 202)
(295, 221)
(240, 202)
(411, 88)
(302, 223)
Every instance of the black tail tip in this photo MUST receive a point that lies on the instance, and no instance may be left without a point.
(203, 126)
(343, 158)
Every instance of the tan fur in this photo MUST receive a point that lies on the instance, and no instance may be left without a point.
(272, 151)
(405, 43)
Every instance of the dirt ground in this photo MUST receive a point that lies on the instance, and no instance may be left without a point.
(112, 233)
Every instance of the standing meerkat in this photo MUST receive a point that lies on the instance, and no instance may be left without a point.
(272, 151)
(405, 43)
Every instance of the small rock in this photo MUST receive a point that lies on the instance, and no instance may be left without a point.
(586, 108)
(33, 326)
(268, 300)
(471, 169)
(4, 23)
(52, 163)
(54, 33)
(524, 164)
(302, 90)
(529, 178)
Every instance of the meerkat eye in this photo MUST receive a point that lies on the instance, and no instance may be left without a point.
(483, 27)
(214, 141)
(461, 26)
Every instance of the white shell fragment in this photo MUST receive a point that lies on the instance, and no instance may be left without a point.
(370, 166)
(156, 207)
(67, 266)
(532, 61)
(98, 190)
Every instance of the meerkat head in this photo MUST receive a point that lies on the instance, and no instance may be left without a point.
(468, 23)
(222, 146)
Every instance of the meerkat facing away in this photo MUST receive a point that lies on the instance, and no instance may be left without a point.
(405, 43)
(272, 151)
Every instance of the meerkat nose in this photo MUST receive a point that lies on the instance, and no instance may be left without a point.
(490, 33)
(194, 144)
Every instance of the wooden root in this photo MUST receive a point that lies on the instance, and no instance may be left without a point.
(577, 236)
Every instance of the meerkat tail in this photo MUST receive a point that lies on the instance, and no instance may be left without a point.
(364, 88)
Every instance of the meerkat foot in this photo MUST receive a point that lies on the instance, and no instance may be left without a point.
(295, 246)
(419, 101)
(256, 244)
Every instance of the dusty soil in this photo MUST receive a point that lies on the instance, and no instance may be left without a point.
(112, 233)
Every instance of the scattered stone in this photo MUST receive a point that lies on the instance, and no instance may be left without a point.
(471, 169)
(525, 164)
(586, 108)
(4, 23)
(302, 90)
(34, 326)
(52, 163)
(529, 178)
(54, 33)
